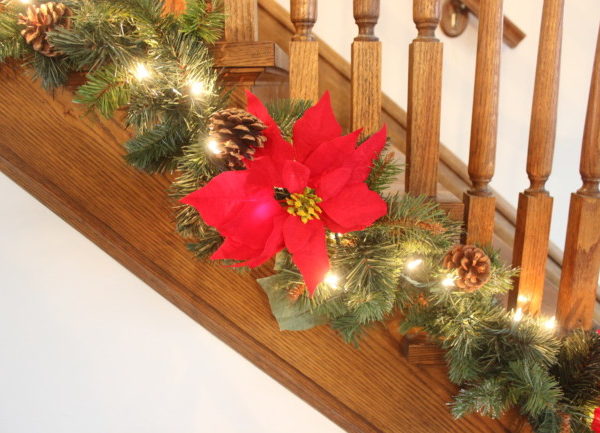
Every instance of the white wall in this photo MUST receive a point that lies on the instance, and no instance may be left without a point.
(86, 347)
(336, 26)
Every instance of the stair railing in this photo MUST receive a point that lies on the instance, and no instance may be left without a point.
(582, 250)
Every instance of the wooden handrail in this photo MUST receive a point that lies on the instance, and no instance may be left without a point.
(366, 68)
(424, 101)
(479, 201)
(455, 18)
(535, 204)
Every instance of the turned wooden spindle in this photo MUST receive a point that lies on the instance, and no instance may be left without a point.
(304, 51)
(366, 68)
(535, 204)
(479, 202)
(241, 23)
(581, 263)
(424, 101)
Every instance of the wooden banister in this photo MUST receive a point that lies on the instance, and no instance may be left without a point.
(424, 101)
(479, 201)
(511, 34)
(581, 264)
(535, 204)
(366, 68)
(304, 51)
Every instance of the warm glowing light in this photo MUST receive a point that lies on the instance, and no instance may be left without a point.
(332, 280)
(550, 324)
(141, 72)
(518, 315)
(522, 299)
(414, 264)
(213, 146)
(197, 88)
(448, 281)
(25, 2)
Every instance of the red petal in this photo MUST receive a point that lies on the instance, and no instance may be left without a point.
(272, 246)
(355, 207)
(363, 156)
(219, 199)
(275, 146)
(309, 250)
(297, 234)
(318, 124)
(332, 182)
(332, 154)
(237, 207)
(295, 176)
(234, 250)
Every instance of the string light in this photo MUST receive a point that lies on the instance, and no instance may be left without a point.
(332, 280)
(25, 2)
(141, 72)
(213, 146)
(197, 88)
(518, 315)
(550, 324)
(522, 299)
(413, 264)
(448, 281)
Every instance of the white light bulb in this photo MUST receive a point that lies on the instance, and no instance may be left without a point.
(413, 264)
(197, 88)
(550, 324)
(332, 280)
(213, 146)
(522, 299)
(448, 281)
(141, 72)
(518, 315)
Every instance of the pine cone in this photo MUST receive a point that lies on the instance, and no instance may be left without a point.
(39, 21)
(473, 266)
(238, 134)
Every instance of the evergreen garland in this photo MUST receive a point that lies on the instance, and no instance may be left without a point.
(499, 359)
(115, 43)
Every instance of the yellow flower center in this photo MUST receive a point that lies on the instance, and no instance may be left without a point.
(304, 205)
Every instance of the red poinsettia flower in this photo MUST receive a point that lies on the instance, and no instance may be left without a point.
(596, 422)
(291, 193)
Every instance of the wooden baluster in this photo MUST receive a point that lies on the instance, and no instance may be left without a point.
(535, 204)
(304, 51)
(366, 68)
(424, 101)
(581, 264)
(241, 23)
(479, 202)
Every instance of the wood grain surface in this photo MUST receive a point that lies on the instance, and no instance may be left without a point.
(424, 101)
(479, 201)
(73, 164)
(534, 212)
(304, 51)
(366, 68)
(579, 279)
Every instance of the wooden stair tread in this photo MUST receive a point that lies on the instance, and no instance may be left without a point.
(74, 166)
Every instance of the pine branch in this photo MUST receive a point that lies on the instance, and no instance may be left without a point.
(205, 19)
(105, 90)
